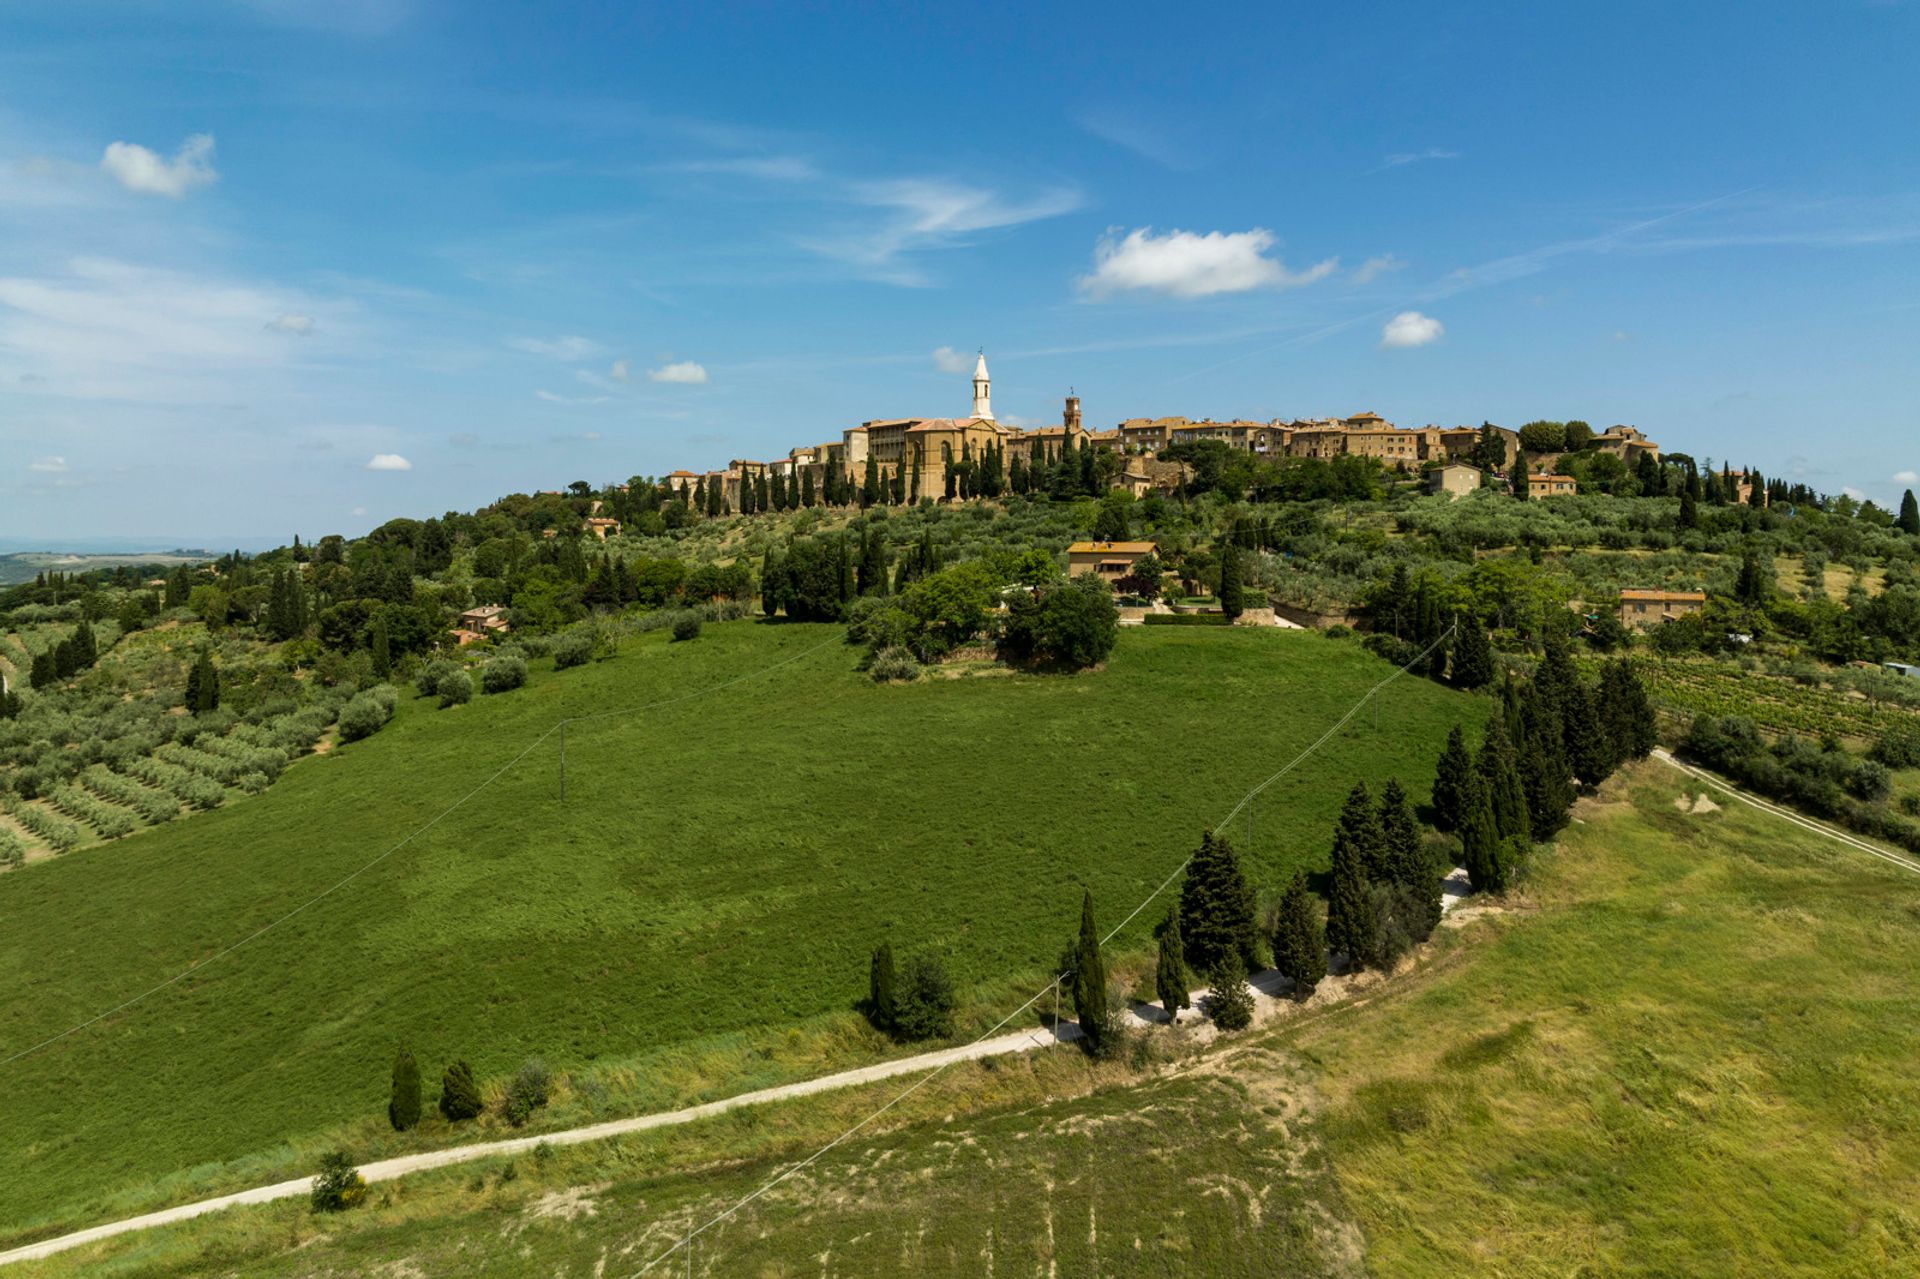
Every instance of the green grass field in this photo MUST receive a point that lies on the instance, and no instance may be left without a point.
(695, 919)
(1685, 1048)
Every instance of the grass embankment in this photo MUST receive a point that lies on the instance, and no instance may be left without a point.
(693, 921)
(1686, 1049)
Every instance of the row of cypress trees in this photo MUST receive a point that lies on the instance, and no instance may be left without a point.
(459, 1093)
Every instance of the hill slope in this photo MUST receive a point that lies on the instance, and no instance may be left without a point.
(718, 873)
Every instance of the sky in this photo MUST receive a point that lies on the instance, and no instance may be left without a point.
(272, 267)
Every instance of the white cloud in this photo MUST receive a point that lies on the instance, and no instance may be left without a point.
(1188, 265)
(138, 169)
(554, 397)
(359, 510)
(48, 465)
(388, 462)
(569, 347)
(1849, 490)
(291, 322)
(683, 372)
(948, 360)
(1410, 328)
(1906, 477)
(621, 371)
(1373, 268)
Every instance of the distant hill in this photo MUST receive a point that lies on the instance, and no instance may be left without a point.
(24, 566)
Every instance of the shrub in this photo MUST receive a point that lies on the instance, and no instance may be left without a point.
(891, 664)
(923, 1000)
(459, 1093)
(572, 649)
(365, 714)
(403, 1103)
(427, 682)
(503, 674)
(1187, 619)
(338, 1185)
(686, 626)
(55, 831)
(1072, 624)
(1900, 748)
(110, 821)
(456, 689)
(526, 1093)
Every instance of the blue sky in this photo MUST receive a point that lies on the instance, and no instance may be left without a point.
(271, 266)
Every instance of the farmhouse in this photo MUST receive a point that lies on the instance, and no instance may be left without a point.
(1543, 485)
(488, 619)
(1111, 560)
(1455, 479)
(1640, 610)
(603, 527)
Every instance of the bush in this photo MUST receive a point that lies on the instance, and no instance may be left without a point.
(503, 674)
(456, 689)
(364, 715)
(1072, 625)
(459, 1093)
(338, 1185)
(1900, 748)
(572, 649)
(526, 1093)
(1187, 619)
(403, 1103)
(427, 682)
(686, 626)
(891, 664)
(1230, 1001)
(923, 1000)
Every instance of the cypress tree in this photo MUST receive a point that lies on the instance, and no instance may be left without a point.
(1090, 980)
(1229, 1000)
(459, 1093)
(1472, 653)
(1401, 855)
(1299, 940)
(1232, 599)
(1216, 906)
(403, 1104)
(1350, 920)
(1689, 506)
(870, 485)
(45, 672)
(1451, 781)
(86, 649)
(1359, 826)
(1170, 979)
(382, 648)
(1628, 717)
(1590, 750)
(1481, 846)
(1546, 779)
(806, 488)
(1498, 772)
(1908, 521)
(881, 1008)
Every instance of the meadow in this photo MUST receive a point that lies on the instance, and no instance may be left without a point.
(692, 920)
(1683, 1047)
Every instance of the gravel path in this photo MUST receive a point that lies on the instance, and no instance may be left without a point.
(1268, 989)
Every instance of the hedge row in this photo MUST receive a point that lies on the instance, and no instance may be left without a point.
(225, 762)
(109, 821)
(153, 807)
(1187, 619)
(183, 784)
(12, 851)
(55, 831)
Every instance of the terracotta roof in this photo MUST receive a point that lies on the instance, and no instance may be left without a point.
(1676, 596)
(1123, 548)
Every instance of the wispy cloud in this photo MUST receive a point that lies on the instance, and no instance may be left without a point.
(1906, 477)
(568, 347)
(553, 397)
(138, 169)
(388, 462)
(1184, 264)
(768, 168)
(1402, 158)
(1125, 128)
(948, 360)
(925, 214)
(1373, 268)
(289, 322)
(48, 465)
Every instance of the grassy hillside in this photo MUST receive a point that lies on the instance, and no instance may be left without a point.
(717, 875)
(1686, 1048)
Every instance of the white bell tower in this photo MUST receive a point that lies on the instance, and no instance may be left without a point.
(982, 390)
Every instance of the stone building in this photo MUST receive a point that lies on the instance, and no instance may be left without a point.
(1642, 610)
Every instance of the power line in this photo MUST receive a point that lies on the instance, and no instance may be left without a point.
(690, 1235)
(431, 822)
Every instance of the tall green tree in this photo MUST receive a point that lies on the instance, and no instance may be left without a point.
(1627, 714)
(881, 1007)
(1546, 778)
(1472, 653)
(1299, 939)
(1216, 906)
(1350, 917)
(1451, 781)
(1689, 506)
(403, 1101)
(1228, 999)
(382, 647)
(1483, 852)
(1170, 979)
(1232, 596)
(1908, 521)
(1359, 827)
(1090, 981)
(1498, 769)
(1590, 750)
(1404, 861)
